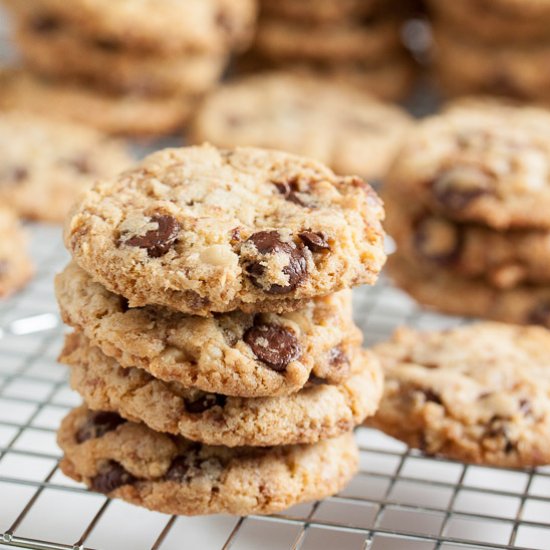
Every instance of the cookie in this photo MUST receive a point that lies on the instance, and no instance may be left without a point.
(64, 55)
(319, 411)
(505, 259)
(203, 230)
(479, 161)
(170, 26)
(321, 11)
(468, 67)
(291, 41)
(176, 476)
(495, 22)
(241, 354)
(477, 393)
(447, 292)
(45, 164)
(16, 267)
(127, 114)
(343, 127)
(390, 78)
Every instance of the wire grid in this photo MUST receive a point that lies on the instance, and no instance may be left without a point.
(399, 499)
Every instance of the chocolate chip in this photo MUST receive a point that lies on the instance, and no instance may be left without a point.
(269, 242)
(315, 241)
(290, 190)
(236, 235)
(207, 401)
(17, 174)
(274, 345)
(157, 241)
(109, 45)
(178, 469)
(457, 199)
(456, 188)
(438, 240)
(525, 407)
(337, 356)
(81, 164)
(431, 396)
(97, 425)
(112, 476)
(540, 314)
(44, 24)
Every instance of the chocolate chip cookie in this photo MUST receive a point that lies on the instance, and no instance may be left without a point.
(478, 393)
(173, 475)
(358, 41)
(319, 411)
(15, 266)
(147, 25)
(505, 259)
(480, 161)
(343, 127)
(241, 354)
(64, 54)
(203, 230)
(321, 11)
(445, 291)
(45, 164)
(132, 114)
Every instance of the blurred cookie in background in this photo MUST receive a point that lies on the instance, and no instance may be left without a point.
(15, 265)
(131, 67)
(134, 115)
(306, 115)
(46, 164)
(499, 47)
(360, 42)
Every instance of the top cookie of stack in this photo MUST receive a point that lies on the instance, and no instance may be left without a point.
(495, 47)
(353, 40)
(204, 231)
(161, 55)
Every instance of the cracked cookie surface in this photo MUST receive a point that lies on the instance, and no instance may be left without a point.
(203, 230)
(477, 393)
(176, 476)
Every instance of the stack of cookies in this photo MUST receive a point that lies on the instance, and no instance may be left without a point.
(128, 67)
(495, 47)
(357, 41)
(214, 345)
(468, 201)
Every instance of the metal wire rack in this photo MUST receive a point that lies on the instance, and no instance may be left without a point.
(399, 500)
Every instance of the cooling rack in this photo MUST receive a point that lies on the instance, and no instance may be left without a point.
(399, 500)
